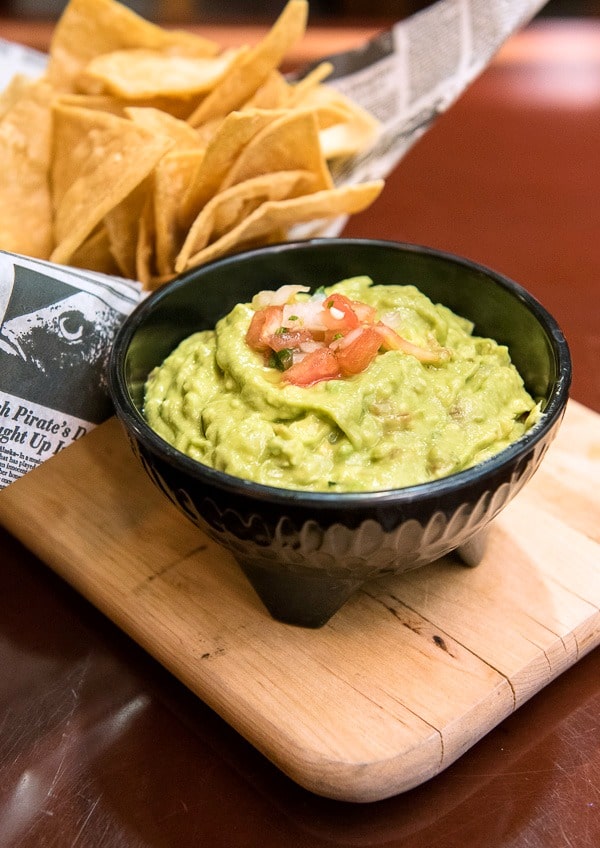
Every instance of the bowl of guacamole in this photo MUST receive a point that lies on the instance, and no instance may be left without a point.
(333, 410)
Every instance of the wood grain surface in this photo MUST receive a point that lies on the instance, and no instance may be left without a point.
(402, 681)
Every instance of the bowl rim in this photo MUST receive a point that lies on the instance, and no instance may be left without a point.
(134, 421)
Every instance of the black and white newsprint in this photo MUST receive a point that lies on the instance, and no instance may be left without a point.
(56, 329)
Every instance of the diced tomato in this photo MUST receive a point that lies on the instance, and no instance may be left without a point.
(359, 353)
(331, 337)
(366, 314)
(263, 326)
(319, 365)
(338, 314)
(290, 339)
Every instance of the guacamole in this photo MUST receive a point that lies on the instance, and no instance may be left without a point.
(436, 402)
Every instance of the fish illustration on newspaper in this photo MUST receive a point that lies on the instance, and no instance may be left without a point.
(56, 331)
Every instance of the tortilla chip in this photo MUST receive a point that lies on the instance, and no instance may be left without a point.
(25, 199)
(89, 28)
(171, 176)
(156, 121)
(18, 87)
(94, 254)
(102, 102)
(281, 215)
(122, 225)
(291, 142)
(99, 159)
(232, 135)
(208, 131)
(228, 208)
(145, 151)
(346, 128)
(176, 107)
(136, 74)
(299, 90)
(245, 77)
(274, 93)
(144, 257)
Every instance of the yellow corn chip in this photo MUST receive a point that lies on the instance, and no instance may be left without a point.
(171, 176)
(232, 135)
(136, 74)
(228, 208)
(144, 151)
(207, 132)
(291, 142)
(237, 87)
(281, 215)
(299, 90)
(18, 87)
(274, 93)
(89, 28)
(102, 102)
(94, 254)
(346, 128)
(122, 224)
(145, 245)
(25, 200)
(99, 159)
(156, 121)
(177, 107)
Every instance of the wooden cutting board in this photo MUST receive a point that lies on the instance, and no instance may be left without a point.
(401, 682)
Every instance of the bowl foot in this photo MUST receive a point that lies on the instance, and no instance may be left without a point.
(300, 597)
(472, 552)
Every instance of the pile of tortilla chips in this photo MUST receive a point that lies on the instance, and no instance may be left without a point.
(146, 152)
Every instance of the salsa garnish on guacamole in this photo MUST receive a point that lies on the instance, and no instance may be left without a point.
(358, 387)
(327, 337)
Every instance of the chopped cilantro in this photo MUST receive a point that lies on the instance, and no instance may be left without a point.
(282, 359)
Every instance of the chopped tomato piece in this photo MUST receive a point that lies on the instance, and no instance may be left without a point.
(330, 337)
(355, 356)
(338, 314)
(319, 365)
(366, 314)
(263, 326)
(289, 339)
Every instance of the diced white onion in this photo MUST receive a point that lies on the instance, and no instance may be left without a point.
(344, 341)
(310, 345)
(392, 319)
(277, 297)
(308, 316)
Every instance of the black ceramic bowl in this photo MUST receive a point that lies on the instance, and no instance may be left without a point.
(306, 553)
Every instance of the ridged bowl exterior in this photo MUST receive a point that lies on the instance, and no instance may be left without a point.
(305, 553)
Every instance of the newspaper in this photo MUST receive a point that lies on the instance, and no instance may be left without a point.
(57, 324)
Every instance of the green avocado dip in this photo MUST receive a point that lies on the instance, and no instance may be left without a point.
(434, 401)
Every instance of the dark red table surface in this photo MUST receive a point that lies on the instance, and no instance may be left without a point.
(100, 747)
